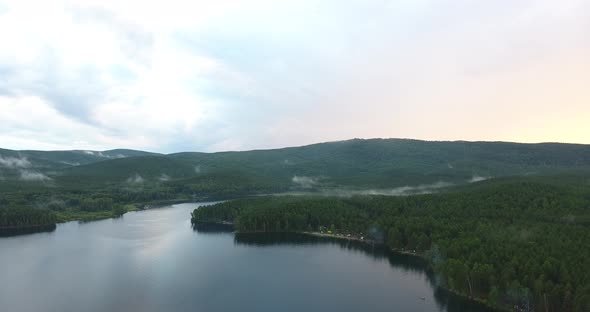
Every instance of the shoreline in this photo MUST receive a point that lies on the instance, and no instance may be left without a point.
(407, 253)
(395, 251)
(84, 217)
(161, 203)
(25, 230)
(366, 241)
(17, 227)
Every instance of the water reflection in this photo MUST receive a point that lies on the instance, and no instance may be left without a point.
(446, 300)
(7, 232)
(205, 228)
(154, 261)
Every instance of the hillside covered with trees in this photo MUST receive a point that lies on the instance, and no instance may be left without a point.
(92, 184)
(511, 242)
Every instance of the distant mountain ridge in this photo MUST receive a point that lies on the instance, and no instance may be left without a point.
(62, 159)
(357, 163)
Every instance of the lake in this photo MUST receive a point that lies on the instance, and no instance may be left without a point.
(154, 260)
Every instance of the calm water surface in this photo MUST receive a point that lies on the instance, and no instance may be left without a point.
(154, 261)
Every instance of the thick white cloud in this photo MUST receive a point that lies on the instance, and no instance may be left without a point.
(201, 75)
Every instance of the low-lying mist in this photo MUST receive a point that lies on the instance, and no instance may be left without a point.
(407, 190)
(307, 186)
(23, 167)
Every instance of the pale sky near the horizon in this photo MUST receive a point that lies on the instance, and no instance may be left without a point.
(171, 76)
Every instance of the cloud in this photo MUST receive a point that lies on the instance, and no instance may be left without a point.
(22, 166)
(305, 182)
(27, 175)
(136, 179)
(398, 191)
(69, 163)
(101, 154)
(29, 121)
(164, 177)
(14, 163)
(207, 76)
(477, 178)
(407, 190)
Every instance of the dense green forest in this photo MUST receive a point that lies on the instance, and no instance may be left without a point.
(91, 184)
(510, 242)
(106, 201)
(22, 217)
(519, 237)
(375, 163)
(26, 208)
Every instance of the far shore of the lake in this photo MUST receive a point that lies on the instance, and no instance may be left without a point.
(86, 216)
(89, 216)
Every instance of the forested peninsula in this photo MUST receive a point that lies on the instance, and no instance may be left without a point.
(510, 243)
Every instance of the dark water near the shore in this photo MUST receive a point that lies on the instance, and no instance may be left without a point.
(154, 261)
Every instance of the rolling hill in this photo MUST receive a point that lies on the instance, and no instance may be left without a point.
(358, 164)
(61, 159)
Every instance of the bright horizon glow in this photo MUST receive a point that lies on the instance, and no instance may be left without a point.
(290, 146)
(172, 76)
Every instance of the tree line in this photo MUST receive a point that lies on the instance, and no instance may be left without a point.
(521, 245)
(12, 217)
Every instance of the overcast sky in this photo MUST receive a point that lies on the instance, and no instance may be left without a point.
(171, 75)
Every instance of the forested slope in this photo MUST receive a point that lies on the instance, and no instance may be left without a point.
(509, 243)
(62, 181)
